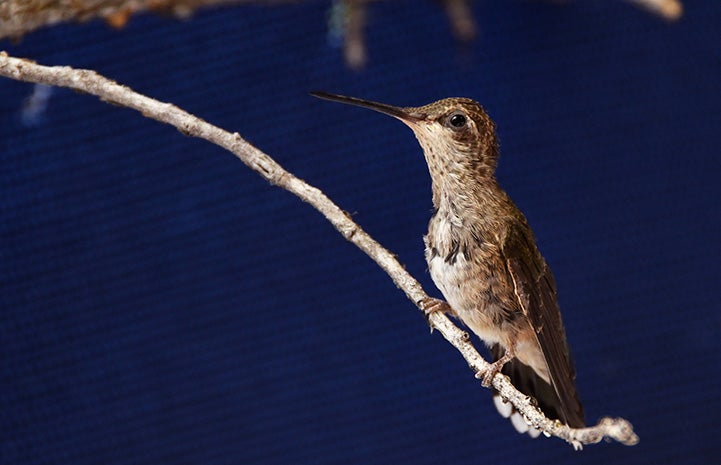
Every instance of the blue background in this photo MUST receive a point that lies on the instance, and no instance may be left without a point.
(161, 303)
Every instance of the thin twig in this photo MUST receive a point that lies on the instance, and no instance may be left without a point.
(92, 83)
(670, 10)
(354, 46)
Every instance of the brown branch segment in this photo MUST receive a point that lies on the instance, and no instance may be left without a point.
(90, 82)
(670, 10)
(18, 17)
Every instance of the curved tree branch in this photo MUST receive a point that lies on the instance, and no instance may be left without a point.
(90, 82)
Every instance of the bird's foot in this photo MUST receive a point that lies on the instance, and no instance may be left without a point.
(489, 373)
(433, 305)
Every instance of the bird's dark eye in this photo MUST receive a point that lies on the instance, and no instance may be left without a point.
(457, 120)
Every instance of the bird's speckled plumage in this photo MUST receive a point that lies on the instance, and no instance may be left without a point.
(482, 255)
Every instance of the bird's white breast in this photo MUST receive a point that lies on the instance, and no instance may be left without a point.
(459, 281)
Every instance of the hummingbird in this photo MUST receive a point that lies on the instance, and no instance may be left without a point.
(482, 256)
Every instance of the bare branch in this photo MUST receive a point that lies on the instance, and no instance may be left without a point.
(460, 16)
(670, 10)
(92, 83)
(354, 47)
(18, 17)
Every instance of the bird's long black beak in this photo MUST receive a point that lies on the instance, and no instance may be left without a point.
(407, 115)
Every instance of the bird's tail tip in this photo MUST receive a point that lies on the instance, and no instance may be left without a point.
(519, 423)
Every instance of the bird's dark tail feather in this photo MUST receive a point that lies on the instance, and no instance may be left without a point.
(528, 382)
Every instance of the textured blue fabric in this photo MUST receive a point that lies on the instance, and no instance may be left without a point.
(162, 304)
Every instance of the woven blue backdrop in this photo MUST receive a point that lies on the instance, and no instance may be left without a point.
(162, 304)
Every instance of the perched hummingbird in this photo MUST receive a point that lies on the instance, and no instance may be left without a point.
(482, 255)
